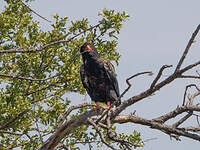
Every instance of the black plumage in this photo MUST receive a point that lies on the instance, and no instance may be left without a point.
(98, 76)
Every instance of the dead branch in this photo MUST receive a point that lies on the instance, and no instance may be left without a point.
(187, 48)
(190, 77)
(175, 125)
(184, 97)
(66, 128)
(129, 84)
(157, 123)
(64, 116)
(192, 129)
(189, 67)
(176, 112)
(35, 12)
(159, 75)
(191, 99)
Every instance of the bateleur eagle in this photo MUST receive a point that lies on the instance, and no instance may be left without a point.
(98, 77)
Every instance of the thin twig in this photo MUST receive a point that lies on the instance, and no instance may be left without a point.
(187, 48)
(13, 120)
(25, 78)
(47, 45)
(37, 126)
(176, 112)
(100, 133)
(70, 109)
(175, 125)
(186, 88)
(159, 75)
(129, 85)
(198, 120)
(198, 73)
(192, 129)
(44, 88)
(189, 67)
(8, 132)
(114, 137)
(190, 77)
(192, 97)
(35, 12)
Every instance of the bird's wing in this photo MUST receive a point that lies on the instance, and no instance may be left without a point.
(84, 79)
(110, 71)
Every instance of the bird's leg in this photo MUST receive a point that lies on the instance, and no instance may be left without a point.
(108, 106)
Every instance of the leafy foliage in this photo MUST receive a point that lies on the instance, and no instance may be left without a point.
(38, 83)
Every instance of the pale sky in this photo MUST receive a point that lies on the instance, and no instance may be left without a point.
(156, 34)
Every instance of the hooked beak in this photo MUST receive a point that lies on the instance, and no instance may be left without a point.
(87, 49)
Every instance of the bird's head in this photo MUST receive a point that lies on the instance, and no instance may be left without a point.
(86, 48)
(88, 51)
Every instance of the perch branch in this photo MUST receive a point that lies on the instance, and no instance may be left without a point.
(157, 123)
(125, 91)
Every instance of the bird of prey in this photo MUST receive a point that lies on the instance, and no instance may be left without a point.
(98, 77)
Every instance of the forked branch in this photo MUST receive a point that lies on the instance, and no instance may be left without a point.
(158, 123)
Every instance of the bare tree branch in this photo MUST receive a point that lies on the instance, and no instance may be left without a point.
(191, 99)
(129, 85)
(176, 112)
(155, 125)
(191, 77)
(64, 116)
(159, 75)
(175, 125)
(66, 128)
(35, 12)
(187, 48)
(184, 97)
(189, 67)
(192, 129)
